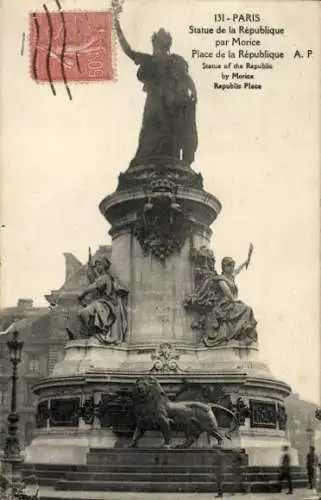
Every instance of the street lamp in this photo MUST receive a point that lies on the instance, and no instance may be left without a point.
(12, 447)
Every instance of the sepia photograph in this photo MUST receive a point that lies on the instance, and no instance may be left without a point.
(160, 249)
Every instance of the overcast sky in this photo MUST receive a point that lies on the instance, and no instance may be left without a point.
(258, 153)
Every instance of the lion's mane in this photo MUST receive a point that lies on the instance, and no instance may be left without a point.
(150, 400)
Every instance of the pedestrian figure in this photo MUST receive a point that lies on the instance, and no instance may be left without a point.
(285, 470)
(311, 465)
(220, 473)
(238, 473)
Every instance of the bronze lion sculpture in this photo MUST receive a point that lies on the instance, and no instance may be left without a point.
(153, 409)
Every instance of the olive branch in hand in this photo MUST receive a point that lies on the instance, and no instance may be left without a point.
(249, 255)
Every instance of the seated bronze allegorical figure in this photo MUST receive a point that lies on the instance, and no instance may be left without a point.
(104, 316)
(223, 317)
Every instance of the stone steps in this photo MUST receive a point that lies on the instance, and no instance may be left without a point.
(56, 468)
(147, 481)
(168, 487)
(159, 456)
(171, 477)
(157, 470)
(51, 478)
(47, 494)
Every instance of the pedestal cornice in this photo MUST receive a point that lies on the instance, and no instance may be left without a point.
(200, 205)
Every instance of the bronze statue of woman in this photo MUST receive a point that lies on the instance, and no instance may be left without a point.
(169, 128)
(221, 315)
(105, 315)
(230, 318)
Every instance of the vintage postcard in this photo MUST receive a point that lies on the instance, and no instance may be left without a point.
(160, 250)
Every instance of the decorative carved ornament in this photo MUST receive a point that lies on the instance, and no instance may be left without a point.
(161, 226)
(165, 359)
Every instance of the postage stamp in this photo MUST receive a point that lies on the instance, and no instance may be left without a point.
(71, 46)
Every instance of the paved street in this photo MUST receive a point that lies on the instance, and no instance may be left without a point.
(303, 494)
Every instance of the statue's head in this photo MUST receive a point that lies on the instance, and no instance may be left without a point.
(228, 265)
(162, 42)
(148, 390)
(102, 264)
(144, 384)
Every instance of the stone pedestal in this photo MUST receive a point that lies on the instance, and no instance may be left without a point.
(90, 370)
(158, 287)
(160, 217)
(65, 445)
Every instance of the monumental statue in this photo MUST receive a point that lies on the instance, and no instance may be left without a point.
(163, 313)
(104, 316)
(168, 128)
(153, 408)
(222, 316)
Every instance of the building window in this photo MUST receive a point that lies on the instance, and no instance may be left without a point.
(3, 396)
(33, 363)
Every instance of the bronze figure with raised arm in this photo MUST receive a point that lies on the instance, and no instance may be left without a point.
(169, 127)
(231, 318)
(221, 315)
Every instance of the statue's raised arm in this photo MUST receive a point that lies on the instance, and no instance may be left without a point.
(168, 129)
(246, 263)
(117, 8)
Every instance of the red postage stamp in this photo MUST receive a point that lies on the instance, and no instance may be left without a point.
(71, 46)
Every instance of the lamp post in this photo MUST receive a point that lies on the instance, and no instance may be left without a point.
(12, 447)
